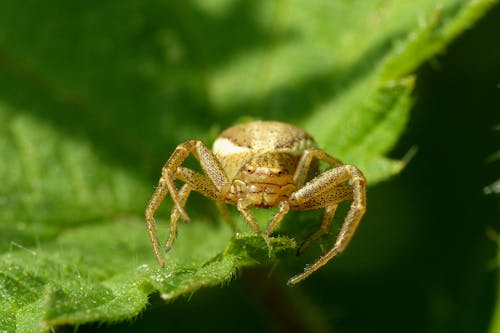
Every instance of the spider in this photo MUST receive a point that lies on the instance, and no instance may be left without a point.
(263, 164)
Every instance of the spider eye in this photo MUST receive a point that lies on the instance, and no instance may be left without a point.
(280, 173)
(250, 170)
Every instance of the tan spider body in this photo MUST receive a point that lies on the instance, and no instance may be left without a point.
(263, 164)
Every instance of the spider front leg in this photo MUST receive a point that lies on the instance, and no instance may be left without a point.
(327, 190)
(215, 184)
(304, 168)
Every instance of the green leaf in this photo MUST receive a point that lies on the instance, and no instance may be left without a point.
(95, 95)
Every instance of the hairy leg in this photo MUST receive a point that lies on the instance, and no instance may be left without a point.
(326, 190)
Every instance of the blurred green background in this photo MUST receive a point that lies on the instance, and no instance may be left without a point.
(425, 257)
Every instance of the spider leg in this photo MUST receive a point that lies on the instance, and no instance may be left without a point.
(153, 204)
(242, 205)
(208, 163)
(306, 165)
(193, 181)
(326, 225)
(324, 191)
(283, 208)
(174, 216)
(198, 182)
(214, 173)
(226, 215)
(328, 201)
